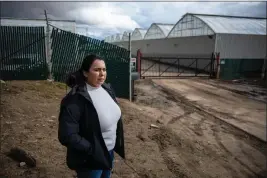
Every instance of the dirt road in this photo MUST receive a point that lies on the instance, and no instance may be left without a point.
(195, 142)
(191, 142)
(244, 113)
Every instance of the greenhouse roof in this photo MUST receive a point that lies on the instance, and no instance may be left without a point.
(234, 24)
(166, 28)
(138, 34)
(142, 32)
(158, 30)
(118, 37)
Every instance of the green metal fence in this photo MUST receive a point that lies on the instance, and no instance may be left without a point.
(23, 56)
(22, 53)
(69, 49)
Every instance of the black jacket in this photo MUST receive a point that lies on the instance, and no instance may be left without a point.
(79, 130)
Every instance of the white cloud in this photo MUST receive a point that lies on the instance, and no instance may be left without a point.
(116, 17)
(104, 16)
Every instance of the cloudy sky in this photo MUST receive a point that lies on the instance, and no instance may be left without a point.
(106, 18)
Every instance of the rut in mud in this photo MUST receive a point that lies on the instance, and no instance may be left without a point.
(195, 143)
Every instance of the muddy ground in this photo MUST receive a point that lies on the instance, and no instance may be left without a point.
(195, 139)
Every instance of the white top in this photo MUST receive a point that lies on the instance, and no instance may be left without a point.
(108, 113)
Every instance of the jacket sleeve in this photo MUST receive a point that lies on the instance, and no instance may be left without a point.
(68, 129)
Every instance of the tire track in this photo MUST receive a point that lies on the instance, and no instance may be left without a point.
(218, 139)
(165, 139)
(174, 119)
(248, 138)
(197, 127)
(249, 156)
(169, 141)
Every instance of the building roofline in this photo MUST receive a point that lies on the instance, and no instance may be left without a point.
(217, 15)
(162, 24)
(140, 28)
(36, 19)
(127, 32)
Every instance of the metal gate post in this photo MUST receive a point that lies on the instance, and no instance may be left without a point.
(130, 69)
(196, 68)
(159, 66)
(178, 65)
(48, 49)
(211, 64)
(139, 62)
(218, 65)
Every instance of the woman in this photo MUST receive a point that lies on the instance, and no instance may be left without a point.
(90, 123)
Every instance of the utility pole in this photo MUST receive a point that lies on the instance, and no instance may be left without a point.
(130, 69)
(48, 48)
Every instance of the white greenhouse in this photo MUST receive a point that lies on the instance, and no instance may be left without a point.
(125, 36)
(203, 24)
(112, 38)
(138, 34)
(108, 39)
(240, 41)
(158, 30)
(234, 37)
(118, 37)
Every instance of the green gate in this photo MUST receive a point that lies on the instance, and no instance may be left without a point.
(23, 55)
(69, 49)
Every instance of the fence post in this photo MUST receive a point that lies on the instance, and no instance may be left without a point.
(196, 71)
(218, 65)
(139, 62)
(159, 66)
(211, 64)
(48, 49)
(263, 73)
(130, 70)
(178, 65)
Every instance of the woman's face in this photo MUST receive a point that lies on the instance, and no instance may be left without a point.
(97, 74)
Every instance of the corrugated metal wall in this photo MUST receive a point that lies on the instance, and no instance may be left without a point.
(183, 45)
(242, 56)
(241, 46)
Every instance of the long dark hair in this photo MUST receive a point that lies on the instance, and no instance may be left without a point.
(77, 78)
